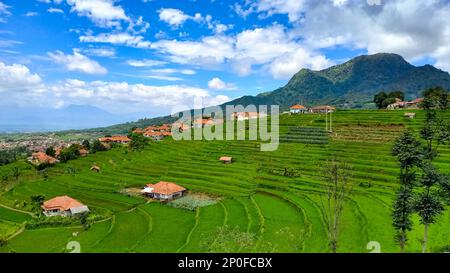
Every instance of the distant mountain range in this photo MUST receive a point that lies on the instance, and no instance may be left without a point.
(32, 119)
(353, 83)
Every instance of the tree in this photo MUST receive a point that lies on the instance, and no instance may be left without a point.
(86, 144)
(379, 98)
(338, 187)
(403, 208)
(397, 95)
(15, 172)
(37, 201)
(429, 203)
(138, 142)
(70, 153)
(382, 100)
(97, 146)
(50, 151)
(409, 153)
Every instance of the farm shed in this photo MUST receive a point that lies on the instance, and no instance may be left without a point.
(410, 115)
(95, 168)
(226, 159)
(63, 206)
(163, 190)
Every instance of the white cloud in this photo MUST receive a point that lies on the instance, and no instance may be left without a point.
(124, 38)
(248, 49)
(100, 51)
(77, 62)
(293, 8)
(55, 10)
(173, 17)
(27, 88)
(4, 12)
(218, 84)
(290, 63)
(103, 13)
(17, 77)
(31, 14)
(145, 63)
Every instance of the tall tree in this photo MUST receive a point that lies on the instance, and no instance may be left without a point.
(338, 187)
(409, 153)
(429, 203)
(86, 144)
(50, 151)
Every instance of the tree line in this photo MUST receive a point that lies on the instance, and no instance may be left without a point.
(423, 189)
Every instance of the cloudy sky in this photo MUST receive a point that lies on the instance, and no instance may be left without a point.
(148, 56)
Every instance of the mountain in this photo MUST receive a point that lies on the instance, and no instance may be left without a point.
(32, 119)
(353, 82)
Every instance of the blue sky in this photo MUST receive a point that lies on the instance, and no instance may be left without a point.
(151, 56)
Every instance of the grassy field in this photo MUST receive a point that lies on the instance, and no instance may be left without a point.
(284, 213)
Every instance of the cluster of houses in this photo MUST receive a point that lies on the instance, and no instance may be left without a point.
(322, 109)
(155, 132)
(39, 158)
(399, 104)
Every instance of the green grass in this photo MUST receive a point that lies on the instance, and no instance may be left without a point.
(256, 196)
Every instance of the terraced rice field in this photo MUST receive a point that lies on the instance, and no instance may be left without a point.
(284, 213)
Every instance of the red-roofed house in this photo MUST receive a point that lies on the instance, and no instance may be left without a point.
(163, 190)
(63, 206)
(115, 139)
(298, 109)
(42, 158)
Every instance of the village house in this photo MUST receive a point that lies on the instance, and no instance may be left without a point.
(247, 115)
(298, 109)
(399, 104)
(226, 159)
(323, 109)
(163, 190)
(154, 135)
(181, 126)
(83, 152)
(63, 206)
(155, 132)
(115, 139)
(42, 158)
(202, 122)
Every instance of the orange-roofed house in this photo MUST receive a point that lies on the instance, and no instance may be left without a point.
(226, 159)
(247, 115)
(323, 109)
(42, 158)
(83, 152)
(63, 206)
(163, 190)
(298, 109)
(154, 135)
(115, 139)
(138, 131)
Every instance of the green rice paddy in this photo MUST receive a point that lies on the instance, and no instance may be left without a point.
(283, 212)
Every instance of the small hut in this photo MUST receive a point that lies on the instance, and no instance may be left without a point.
(95, 168)
(226, 159)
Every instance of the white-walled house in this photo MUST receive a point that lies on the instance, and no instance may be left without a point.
(63, 206)
(298, 109)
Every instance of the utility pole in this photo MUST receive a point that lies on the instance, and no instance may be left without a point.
(331, 121)
(326, 120)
